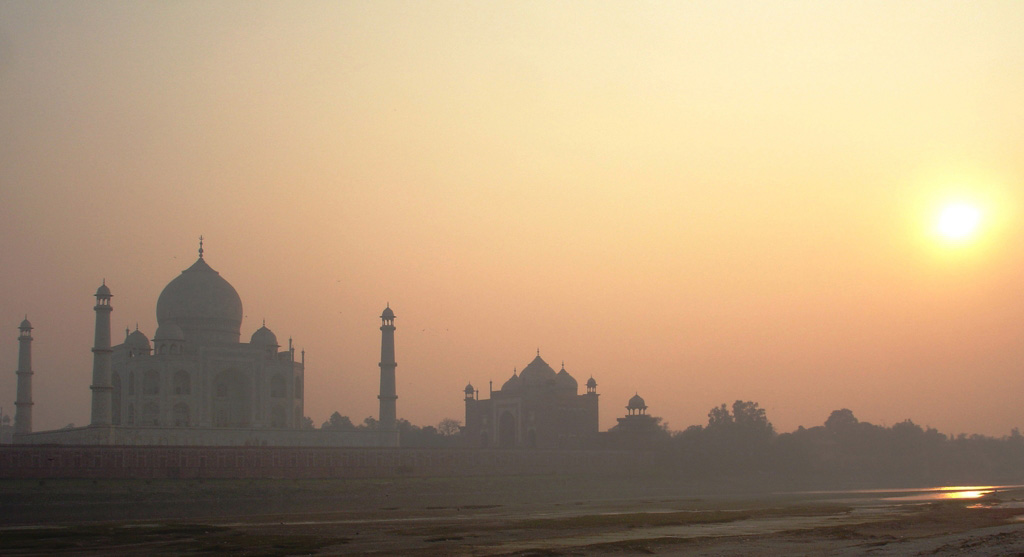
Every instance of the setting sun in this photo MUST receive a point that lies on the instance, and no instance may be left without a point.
(959, 221)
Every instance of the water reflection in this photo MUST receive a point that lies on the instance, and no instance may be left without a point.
(948, 492)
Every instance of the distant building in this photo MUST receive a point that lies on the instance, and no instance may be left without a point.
(197, 383)
(637, 429)
(537, 408)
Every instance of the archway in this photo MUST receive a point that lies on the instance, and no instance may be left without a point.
(151, 383)
(151, 414)
(115, 399)
(277, 417)
(180, 414)
(232, 405)
(182, 383)
(507, 430)
(277, 389)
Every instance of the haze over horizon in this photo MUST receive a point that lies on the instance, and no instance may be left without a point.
(696, 202)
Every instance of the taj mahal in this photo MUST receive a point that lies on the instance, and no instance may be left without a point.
(197, 383)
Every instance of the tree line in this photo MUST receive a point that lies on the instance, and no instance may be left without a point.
(739, 443)
(843, 452)
(444, 434)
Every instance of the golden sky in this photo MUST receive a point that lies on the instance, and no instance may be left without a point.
(696, 201)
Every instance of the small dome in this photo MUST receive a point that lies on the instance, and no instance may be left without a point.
(469, 389)
(103, 291)
(566, 381)
(169, 331)
(387, 313)
(636, 403)
(25, 325)
(591, 383)
(513, 384)
(264, 337)
(137, 341)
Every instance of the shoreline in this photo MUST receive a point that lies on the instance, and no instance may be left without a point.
(493, 516)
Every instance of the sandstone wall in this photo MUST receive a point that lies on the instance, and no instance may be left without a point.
(219, 436)
(20, 461)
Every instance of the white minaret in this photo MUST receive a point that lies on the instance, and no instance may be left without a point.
(101, 352)
(387, 416)
(23, 404)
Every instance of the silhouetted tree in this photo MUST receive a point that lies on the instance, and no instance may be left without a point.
(841, 420)
(751, 420)
(337, 422)
(734, 441)
(448, 427)
(719, 417)
(843, 453)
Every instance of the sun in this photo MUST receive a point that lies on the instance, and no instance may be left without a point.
(958, 222)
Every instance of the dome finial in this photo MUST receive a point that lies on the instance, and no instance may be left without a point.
(200, 246)
(538, 351)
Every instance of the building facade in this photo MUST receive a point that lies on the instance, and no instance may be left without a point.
(537, 408)
(196, 383)
(197, 373)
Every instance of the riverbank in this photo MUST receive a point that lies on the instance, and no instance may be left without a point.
(494, 516)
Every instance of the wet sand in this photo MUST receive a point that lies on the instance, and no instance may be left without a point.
(485, 516)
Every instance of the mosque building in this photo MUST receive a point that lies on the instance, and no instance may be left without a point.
(535, 408)
(197, 383)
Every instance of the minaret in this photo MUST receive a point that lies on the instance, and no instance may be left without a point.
(101, 387)
(387, 378)
(23, 404)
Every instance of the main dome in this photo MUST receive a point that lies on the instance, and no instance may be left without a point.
(203, 304)
(537, 373)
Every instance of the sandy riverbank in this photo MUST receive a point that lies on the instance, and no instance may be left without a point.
(489, 516)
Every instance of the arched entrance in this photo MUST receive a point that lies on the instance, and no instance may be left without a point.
(232, 401)
(115, 399)
(507, 430)
(277, 417)
(180, 415)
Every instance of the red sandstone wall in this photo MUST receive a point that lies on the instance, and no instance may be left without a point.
(305, 462)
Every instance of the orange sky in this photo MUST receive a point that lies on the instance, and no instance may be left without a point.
(699, 202)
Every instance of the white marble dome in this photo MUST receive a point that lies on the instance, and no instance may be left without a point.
(264, 337)
(138, 342)
(203, 304)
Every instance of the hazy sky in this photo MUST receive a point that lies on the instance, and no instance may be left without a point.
(696, 201)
